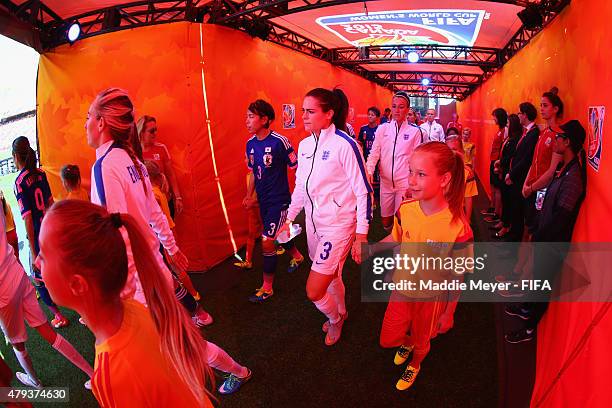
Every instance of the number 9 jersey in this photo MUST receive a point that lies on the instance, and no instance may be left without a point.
(33, 196)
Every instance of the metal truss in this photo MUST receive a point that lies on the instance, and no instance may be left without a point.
(287, 38)
(458, 92)
(486, 58)
(438, 78)
(121, 17)
(34, 12)
(523, 35)
(253, 17)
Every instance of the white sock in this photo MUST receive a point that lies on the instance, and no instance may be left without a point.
(220, 360)
(328, 306)
(337, 290)
(67, 350)
(26, 363)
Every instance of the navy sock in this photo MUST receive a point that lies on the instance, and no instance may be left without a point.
(288, 245)
(269, 263)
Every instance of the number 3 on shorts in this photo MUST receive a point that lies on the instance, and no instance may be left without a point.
(272, 229)
(327, 246)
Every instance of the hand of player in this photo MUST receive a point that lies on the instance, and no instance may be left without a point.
(525, 191)
(178, 205)
(508, 180)
(370, 178)
(246, 202)
(356, 249)
(284, 227)
(179, 261)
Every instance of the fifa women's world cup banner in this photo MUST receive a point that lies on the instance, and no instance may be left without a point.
(407, 27)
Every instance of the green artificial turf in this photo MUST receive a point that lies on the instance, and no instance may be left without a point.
(282, 343)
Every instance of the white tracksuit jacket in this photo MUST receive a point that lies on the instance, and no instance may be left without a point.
(116, 185)
(331, 184)
(393, 147)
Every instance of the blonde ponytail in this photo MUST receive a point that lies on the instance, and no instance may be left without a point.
(181, 341)
(455, 192)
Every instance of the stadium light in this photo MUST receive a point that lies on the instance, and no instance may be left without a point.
(425, 81)
(74, 32)
(413, 57)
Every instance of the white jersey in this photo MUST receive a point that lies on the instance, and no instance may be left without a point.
(331, 184)
(11, 271)
(393, 147)
(116, 185)
(434, 130)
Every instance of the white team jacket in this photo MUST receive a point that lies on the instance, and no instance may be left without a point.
(116, 185)
(434, 130)
(393, 147)
(331, 183)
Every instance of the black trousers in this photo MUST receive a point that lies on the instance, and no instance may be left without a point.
(548, 262)
(507, 204)
(516, 212)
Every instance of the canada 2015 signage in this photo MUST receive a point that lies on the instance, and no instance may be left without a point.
(407, 27)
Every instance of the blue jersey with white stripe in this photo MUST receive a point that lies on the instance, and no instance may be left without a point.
(269, 159)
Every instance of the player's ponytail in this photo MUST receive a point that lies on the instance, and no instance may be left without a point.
(455, 191)
(181, 341)
(91, 238)
(24, 153)
(341, 108)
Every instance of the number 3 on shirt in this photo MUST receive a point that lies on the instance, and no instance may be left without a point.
(259, 172)
(327, 246)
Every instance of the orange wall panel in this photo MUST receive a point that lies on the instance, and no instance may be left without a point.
(160, 66)
(572, 53)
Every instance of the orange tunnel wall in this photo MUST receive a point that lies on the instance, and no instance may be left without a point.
(160, 67)
(573, 53)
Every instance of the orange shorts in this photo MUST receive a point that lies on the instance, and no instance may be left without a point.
(411, 321)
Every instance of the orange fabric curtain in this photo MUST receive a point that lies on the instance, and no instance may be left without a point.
(572, 54)
(161, 67)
